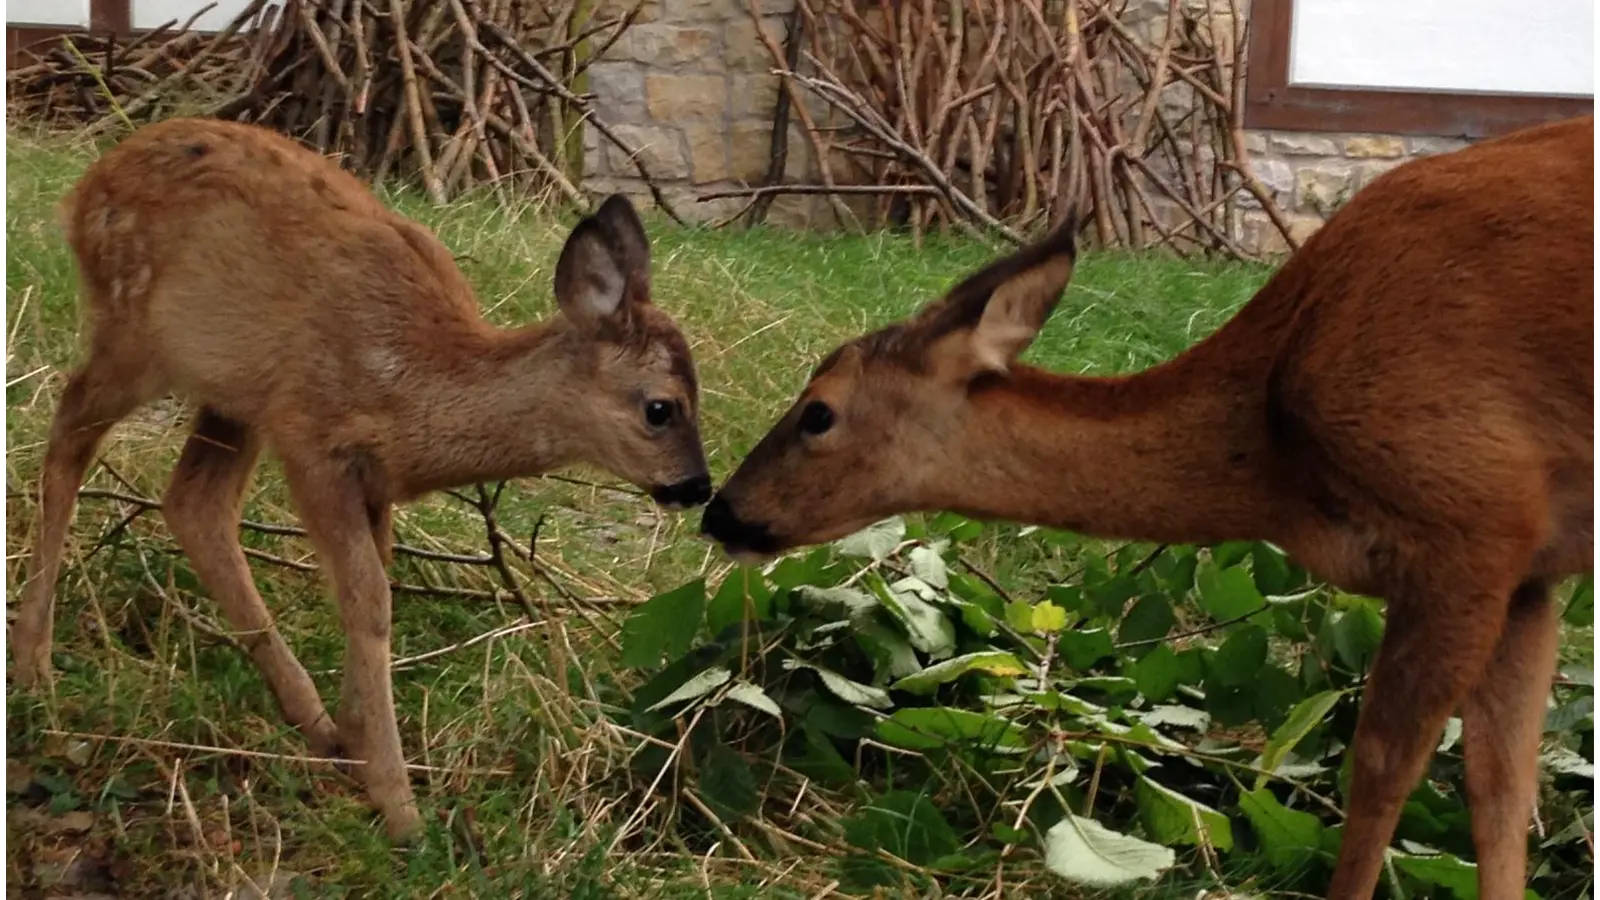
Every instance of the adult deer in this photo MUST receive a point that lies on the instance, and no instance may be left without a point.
(296, 312)
(1406, 407)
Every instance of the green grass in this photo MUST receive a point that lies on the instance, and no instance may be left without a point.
(530, 785)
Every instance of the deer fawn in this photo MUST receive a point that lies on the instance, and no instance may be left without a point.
(1406, 407)
(273, 291)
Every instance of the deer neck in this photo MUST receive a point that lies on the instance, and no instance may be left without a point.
(1172, 454)
(503, 407)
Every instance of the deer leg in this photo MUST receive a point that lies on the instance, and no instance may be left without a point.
(332, 503)
(99, 395)
(1502, 719)
(380, 518)
(202, 508)
(1436, 644)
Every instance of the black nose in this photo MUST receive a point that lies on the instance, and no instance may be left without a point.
(689, 492)
(721, 524)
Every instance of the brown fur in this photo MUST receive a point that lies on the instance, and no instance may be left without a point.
(1407, 407)
(274, 292)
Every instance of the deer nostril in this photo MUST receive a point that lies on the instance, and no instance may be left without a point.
(721, 524)
(689, 492)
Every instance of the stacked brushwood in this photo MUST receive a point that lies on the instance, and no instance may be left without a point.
(996, 115)
(451, 93)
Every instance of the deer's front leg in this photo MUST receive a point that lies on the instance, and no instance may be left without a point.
(333, 505)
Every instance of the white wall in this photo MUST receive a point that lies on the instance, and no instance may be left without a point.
(155, 13)
(1537, 47)
(71, 13)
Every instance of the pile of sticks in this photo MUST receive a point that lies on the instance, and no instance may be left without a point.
(996, 115)
(452, 93)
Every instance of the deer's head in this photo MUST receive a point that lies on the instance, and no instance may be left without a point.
(886, 419)
(637, 382)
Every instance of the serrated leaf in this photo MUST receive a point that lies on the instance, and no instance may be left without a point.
(908, 825)
(935, 727)
(1241, 656)
(1158, 673)
(892, 654)
(1177, 717)
(850, 602)
(1227, 593)
(1356, 635)
(1307, 714)
(743, 594)
(1048, 618)
(1019, 615)
(1171, 818)
(994, 662)
(754, 697)
(1563, 761)
(876, 541)
(1085, 852)
(845, 689)
(1149, 620)
(1289, 837)
(664, 624)
(1580, 609)
(727, 784)
(925, 624)
(928, 565)
(695, 688)
(1082, 649)
(1440, 870)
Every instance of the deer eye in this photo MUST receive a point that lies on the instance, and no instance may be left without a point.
(658, 413)
(816, 418)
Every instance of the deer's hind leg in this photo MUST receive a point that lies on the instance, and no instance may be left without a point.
(118, 377)
(202, 507)
(1443, 628)
(1502, 719)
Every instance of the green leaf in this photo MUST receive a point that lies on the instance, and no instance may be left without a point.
(1085, 852)
(875, 541)
(754, 697)
(664, 624)
(1289, 838)
(928, 565)
(1356, 635)
(908, 825)
(1048, 618)
(1241, 656)
(1149, 620)
(1271, 569)
(935, 727)
(1272, 694)
(994, 662)
(1158, 674)
(727, 784)
(1019, 615)
(842, 601)
(925, 624)
(1177, 717)
(1082, 649)
(743, 594)
(1227, 593)
(957, 526)
(1307, 714)
(845, 689)
(696, 687)
(1580, 609)
(1110, 596)
(1444, 870)
(1171, 818)
(892, 654)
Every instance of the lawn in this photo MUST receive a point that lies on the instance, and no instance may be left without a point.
(160, 764)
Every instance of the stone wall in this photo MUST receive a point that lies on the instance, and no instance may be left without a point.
(690, 85)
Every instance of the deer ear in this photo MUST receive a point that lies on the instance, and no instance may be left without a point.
(605, 266)
(986, 321)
